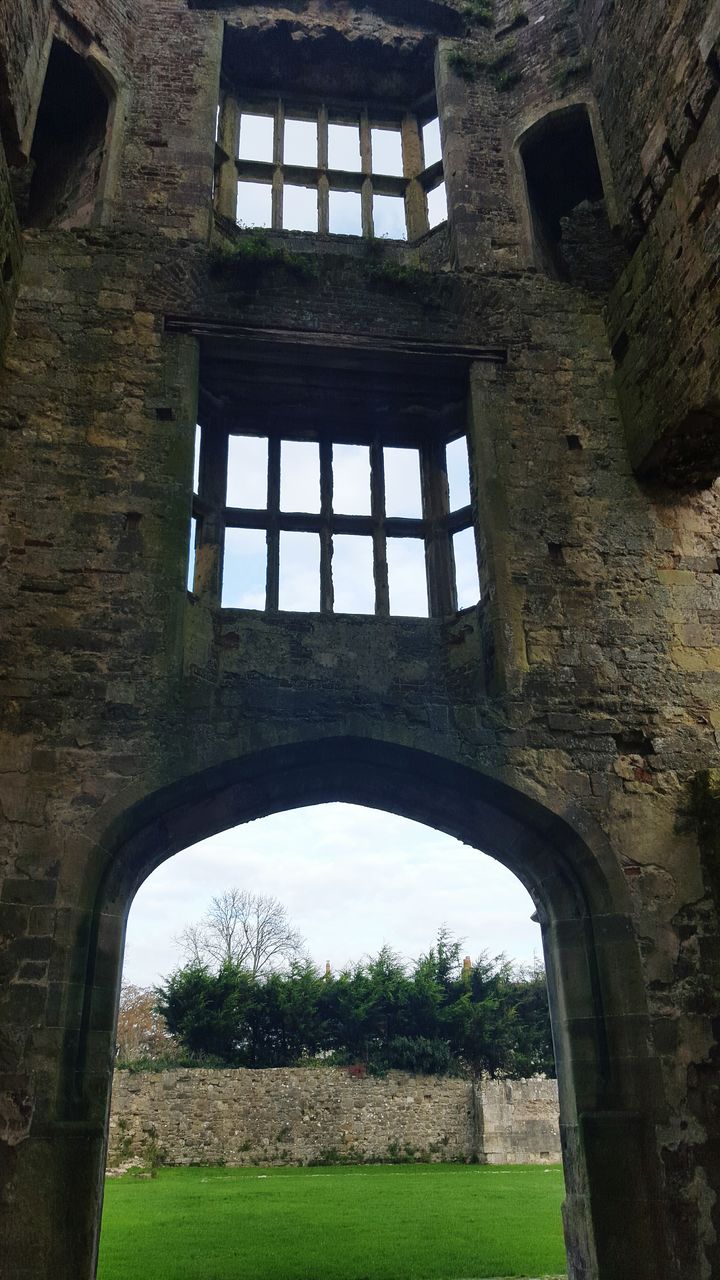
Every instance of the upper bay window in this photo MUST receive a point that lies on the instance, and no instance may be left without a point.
(342, 170)
(332, 481)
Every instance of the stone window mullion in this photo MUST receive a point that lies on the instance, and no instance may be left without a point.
(209, 510)
(439, 564)
(415, 203)
(366, 194)
(323, 182)
(327, 593)
(228, 144)
(377, 508)
(277, 180)
(272, 590)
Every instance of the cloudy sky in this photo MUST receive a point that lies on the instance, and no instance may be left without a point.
(351, 880)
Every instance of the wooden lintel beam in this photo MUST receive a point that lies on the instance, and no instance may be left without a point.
(327, 343)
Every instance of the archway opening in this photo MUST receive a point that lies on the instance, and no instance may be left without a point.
(609, 1086)
(410, 1060)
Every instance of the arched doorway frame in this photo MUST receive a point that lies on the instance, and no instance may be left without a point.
(608, 1079)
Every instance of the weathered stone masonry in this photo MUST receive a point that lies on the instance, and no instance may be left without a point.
(296, 1115)
(568, 725)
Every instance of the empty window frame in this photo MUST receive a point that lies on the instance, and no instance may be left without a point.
(379, 523)
(69, 143)
(342, 171)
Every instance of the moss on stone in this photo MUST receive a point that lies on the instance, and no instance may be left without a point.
(480, 12)
(503, 57)
(570, 69)
(396, 275)
(248, 259)
(508, 79)
(499, 68)
(463, 64)
(702, 815)
(519, 18)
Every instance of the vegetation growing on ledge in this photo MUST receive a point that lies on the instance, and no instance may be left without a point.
(569, 70)
(702, 815)
(508, 79)
(500, 70)
(463, 63)
(247, 260)
(517, 19)
(480, 11)
(396, 275)
(502, 58)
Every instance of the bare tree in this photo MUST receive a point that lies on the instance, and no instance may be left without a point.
(249, 930)
(141, 1031)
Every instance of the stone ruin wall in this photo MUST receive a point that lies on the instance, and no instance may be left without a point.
(667, 191)
(301, 1115)
(10, 250)
(586, 684)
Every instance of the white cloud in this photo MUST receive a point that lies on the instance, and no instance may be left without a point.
(247, 471)
(352, 569)
(299, 571)
(407, 580)
(244, 569)
(299, 475)
(351, 879)
(351, 479)
(403, 495)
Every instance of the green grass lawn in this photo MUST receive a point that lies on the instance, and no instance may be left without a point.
(379, 1222)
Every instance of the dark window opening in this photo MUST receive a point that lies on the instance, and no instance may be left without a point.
(68, 143)
(572, 235)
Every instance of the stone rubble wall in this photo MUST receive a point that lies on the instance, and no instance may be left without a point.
(300, 1115)
(656, 76)
(10, 249)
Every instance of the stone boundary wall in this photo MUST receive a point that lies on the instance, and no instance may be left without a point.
(300, 1115)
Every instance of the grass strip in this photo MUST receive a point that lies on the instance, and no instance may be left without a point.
(408, 1222)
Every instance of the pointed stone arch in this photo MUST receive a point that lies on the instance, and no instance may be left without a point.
(609, 1085)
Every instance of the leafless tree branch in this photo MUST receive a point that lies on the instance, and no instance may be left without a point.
(245, 929)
